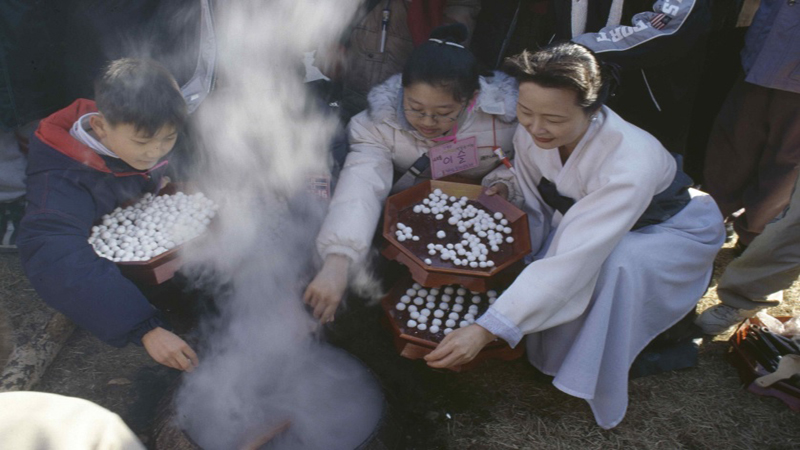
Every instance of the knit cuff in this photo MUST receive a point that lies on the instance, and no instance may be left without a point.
(500, 326)
(135, 336)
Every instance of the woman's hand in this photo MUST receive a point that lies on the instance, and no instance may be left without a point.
(326, 290)
(459, 347)
(166, 348)
(498, 189)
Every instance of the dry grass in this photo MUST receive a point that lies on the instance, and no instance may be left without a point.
(501, 406)
(700, 408)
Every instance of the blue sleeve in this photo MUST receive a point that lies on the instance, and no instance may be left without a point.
(67, 273)
(663, 34)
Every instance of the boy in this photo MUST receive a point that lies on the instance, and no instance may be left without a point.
(83, 162)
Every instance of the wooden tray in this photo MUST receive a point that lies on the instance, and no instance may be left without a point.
(749, 369)
(440, 273)
(154, 271)
(410, 345)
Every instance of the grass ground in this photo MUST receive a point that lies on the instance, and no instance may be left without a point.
(498, 406)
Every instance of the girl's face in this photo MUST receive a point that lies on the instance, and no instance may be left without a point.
(552, 116)
(431, 110)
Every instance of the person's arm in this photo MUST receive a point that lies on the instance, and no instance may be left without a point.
(664, 34)
(557, 288)
(70, 277)
(502, 181)
(459, 347)
(346, 233)
(165, 347)
(326, 290)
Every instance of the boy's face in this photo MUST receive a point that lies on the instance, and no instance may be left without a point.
(138, 150)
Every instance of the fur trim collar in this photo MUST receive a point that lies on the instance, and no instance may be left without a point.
(498, 97)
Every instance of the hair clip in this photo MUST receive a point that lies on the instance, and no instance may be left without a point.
(439, 41)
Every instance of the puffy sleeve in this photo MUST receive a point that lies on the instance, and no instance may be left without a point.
(68, 274)
(364, 184)
(654, 37)
(557, 288)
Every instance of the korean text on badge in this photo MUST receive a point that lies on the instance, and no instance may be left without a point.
(453, 157)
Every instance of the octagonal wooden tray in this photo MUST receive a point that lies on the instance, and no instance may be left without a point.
(439, 273)
(413, 345)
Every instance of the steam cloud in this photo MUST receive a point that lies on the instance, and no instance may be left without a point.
(265, 139)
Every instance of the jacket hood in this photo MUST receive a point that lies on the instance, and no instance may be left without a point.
(54, 130)
(498, 97)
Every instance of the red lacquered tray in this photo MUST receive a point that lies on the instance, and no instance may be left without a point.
(155, 270)
(412, 254)
(415, 344)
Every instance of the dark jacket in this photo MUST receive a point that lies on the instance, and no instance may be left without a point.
(69, 188)
(660, 47)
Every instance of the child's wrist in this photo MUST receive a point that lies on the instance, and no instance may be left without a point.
(137, 334)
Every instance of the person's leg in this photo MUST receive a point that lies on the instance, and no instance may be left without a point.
(771, 263)
(767, 195)
(649, 282)
(735, 146)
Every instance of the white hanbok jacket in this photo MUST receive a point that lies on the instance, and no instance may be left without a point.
(382, 143)
(597, 293)
(612, 175)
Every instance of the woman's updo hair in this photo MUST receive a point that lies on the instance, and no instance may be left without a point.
(567, 66)
(442, 65)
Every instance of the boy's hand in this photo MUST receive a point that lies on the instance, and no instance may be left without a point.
(168, 349)
(498, 189)
(459, 347)
(326, 290)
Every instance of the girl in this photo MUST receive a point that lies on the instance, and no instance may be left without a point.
(440, 98)
(624, 249)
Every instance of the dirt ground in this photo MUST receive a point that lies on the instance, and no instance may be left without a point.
(496, 406)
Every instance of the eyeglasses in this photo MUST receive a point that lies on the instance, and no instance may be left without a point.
(435, 117)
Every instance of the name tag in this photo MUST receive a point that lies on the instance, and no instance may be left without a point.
(453, 157)
(319, 186)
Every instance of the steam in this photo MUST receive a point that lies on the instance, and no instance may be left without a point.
(265, 140)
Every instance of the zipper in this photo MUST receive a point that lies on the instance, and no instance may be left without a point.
(649, 90)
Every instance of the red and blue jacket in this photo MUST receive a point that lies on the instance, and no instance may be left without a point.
(70, 187)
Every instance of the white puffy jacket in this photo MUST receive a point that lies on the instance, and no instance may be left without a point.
(381, 142)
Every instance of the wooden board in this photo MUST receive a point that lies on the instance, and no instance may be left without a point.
(154, 271)
(434, 278)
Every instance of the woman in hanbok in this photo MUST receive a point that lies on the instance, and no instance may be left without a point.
(623, 247)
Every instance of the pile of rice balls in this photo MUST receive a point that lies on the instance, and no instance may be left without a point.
(151, 226)
(474, 233)
(438, 311)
